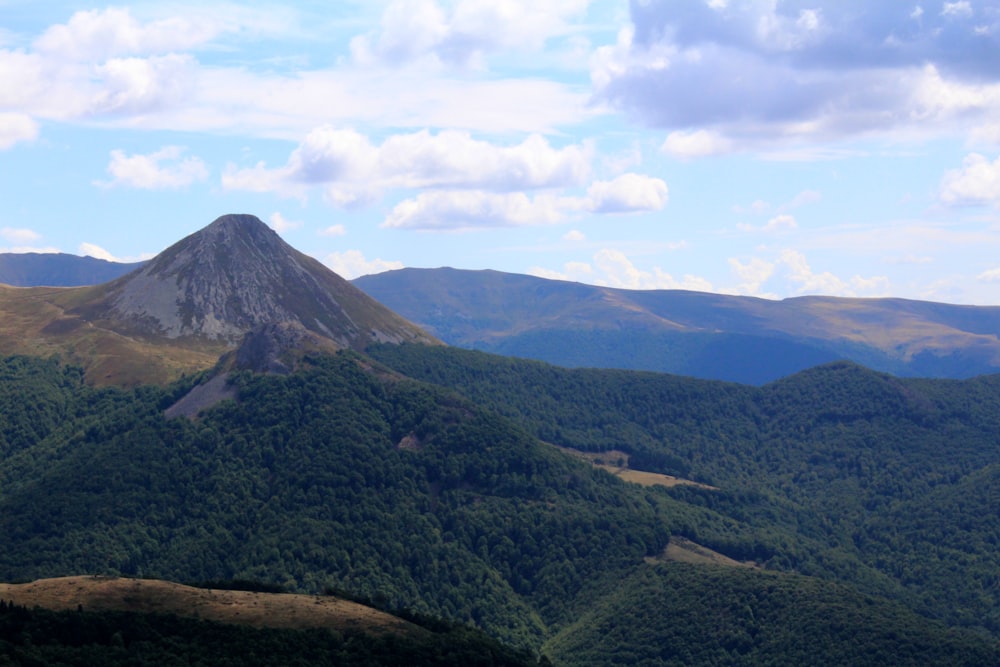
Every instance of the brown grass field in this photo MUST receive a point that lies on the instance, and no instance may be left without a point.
(272, 610)
(34, 321)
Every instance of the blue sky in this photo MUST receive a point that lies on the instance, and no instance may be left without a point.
(761, 147)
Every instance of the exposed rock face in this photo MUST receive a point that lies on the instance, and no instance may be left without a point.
(237, 275)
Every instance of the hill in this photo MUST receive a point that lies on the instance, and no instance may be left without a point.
(258, 609)
(347, 475)
(713, 336)
(33, 269)
(112, 621)
(180, 311)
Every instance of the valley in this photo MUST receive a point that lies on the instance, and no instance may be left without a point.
(319, 443)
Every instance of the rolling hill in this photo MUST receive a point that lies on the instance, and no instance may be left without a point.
(713, 336)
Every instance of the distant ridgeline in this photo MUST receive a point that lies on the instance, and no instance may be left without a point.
(712, 336)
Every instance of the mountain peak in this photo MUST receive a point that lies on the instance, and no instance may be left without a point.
(237, 275)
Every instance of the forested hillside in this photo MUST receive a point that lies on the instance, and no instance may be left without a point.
(888, 483)
(439, 494)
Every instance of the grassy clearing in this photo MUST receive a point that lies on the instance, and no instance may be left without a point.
(616, 462)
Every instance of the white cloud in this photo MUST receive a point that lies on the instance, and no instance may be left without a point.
(695, 143)
(574, 235)
(334, 230)
(445, 210)
(613, 268)
(960, 9)
(792, 269)
(352, 263)
(16, 127)
(628, 193)
(142, 85)
(97, 252)
(19, 235)
(281, 224)
(977, 182)
(163, 169)
(414, 29)
(95, 35)
(759, 76)
(448, 159)
(990, 276)
(751, 275)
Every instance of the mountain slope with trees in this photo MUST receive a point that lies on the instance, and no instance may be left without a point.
(345, 475)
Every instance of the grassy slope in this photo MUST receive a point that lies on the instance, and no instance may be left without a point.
(35, 321)
(271, 610)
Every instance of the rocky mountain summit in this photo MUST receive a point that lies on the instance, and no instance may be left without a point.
(236, 276)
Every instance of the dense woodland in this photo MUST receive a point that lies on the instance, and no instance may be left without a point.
(866, 499)
(86, 638)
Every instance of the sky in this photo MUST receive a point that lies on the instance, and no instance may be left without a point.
(769, 148)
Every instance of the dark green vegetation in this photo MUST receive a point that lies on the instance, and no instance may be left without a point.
(41, 637)
(871, 500)
(713, 336)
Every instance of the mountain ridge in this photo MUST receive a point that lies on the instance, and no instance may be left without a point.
(712, 336)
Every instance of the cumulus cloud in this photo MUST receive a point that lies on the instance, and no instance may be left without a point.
(141, 85)
(467, 182)
(448, 159)
(16, 127)
(575, 236)
(97, 252)
(629, 193)
(166, 168)
(350, 264)
(990, 276)
(474, 209)
(767, 71)
(977, 182)
(792, 268)
(613, 268)
(96, 35)
(464, 32)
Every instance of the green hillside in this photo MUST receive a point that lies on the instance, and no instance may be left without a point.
(435, 487)
(883, 482)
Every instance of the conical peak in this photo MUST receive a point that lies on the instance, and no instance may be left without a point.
(236, 275)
